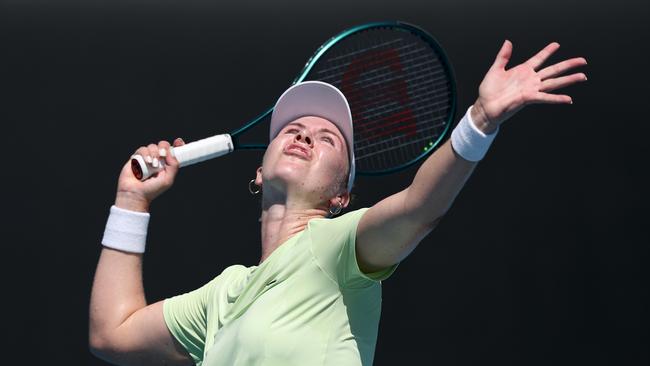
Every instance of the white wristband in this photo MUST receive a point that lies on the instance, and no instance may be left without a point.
(468, 141)
(126, 230)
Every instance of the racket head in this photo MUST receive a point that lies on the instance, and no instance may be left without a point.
(400, 86)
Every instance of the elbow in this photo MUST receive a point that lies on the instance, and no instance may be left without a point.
(97, 339)
(425, 213)
(100, 346)
(427, 219)
(97, 345)
(437, 212)
(432, 223)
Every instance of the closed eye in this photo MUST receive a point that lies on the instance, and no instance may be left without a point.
(328, 140)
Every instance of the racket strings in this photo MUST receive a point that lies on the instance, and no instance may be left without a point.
(400, 94)
(379, 120)
(377, 145)
(378, 108)
(384, 86)
(396, 56)
(390, 147)
(345, 67)
(370, 122)
(357, 51)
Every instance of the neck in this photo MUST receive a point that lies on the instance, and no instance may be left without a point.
(283, 218)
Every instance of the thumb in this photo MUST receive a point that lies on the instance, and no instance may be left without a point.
(503, 56)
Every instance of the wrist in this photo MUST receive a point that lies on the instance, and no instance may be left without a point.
(131, 201)
(481, 120)
(468, 141)
(126, 230)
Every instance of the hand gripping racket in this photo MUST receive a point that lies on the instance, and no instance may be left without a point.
(398, 83)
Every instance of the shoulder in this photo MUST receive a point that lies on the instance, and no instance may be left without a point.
(348, 220)
(234, 276)
(332, 242)
(335, 232)
(228, 276)
(234, 271)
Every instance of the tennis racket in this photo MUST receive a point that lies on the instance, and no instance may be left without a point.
(400, 88)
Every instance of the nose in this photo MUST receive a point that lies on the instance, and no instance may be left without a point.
(303, 136)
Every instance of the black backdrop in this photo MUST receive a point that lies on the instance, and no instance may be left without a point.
(541, 260)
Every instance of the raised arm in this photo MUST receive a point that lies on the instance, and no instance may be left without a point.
(393, 227)
(124, 330)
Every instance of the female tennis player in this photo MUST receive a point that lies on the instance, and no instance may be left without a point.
(314, 298)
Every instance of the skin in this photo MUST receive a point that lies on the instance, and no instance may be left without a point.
(302, 184)
(299, 186)
(392, 228)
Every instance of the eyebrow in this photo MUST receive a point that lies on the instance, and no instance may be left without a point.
(323, 129)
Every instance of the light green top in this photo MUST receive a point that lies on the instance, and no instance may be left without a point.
(306, 304)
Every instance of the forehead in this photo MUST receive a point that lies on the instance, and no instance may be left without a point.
(316, 123)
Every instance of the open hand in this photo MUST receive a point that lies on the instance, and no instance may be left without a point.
(504, 92)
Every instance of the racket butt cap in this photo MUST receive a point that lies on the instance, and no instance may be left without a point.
(139, 168)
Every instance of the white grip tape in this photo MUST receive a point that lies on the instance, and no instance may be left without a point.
(126, 230)
(470, 142)
(208, 148)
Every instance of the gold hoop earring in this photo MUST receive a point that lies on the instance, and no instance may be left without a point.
(337, 210)
(255, 190)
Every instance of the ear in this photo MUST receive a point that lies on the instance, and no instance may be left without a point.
(258, 177)
(344, 198)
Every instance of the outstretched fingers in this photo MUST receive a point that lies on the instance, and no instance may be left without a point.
(561, 67)
(536, 61)
(546, 98)
(561, 82)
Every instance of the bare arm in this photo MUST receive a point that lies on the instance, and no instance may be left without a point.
(392, 228)
(123, 329)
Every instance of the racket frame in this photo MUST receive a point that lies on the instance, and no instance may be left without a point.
(399, 25)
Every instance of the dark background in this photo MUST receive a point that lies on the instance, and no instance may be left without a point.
(542, 259)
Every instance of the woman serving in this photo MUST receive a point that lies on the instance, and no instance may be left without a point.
(314, 298)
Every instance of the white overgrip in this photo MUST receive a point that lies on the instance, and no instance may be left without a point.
(188, 154)
(205, 149)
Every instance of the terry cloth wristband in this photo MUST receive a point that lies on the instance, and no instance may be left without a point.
(126, 230)
(470, 142)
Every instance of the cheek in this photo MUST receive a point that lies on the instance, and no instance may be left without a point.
(333, 161)
(269, 163)
(272, 152)
(334, 172)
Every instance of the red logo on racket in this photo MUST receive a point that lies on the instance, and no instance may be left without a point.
(363, 99)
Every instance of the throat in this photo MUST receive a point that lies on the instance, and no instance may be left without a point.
(282, 238)
(277, 230)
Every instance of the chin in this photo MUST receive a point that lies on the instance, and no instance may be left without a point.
(288, 173)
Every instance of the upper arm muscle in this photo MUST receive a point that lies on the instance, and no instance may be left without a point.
(387, 233)
(145, 339)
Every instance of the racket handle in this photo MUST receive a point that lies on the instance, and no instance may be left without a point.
(188, 154)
